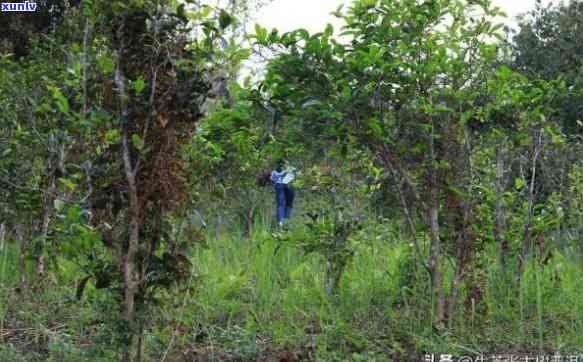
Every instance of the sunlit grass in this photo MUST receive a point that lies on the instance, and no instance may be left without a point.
(281, 295)
(250, 293)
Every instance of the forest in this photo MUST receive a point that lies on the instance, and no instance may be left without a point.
(147, 183)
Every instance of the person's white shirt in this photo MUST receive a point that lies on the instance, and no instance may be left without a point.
(290, 175)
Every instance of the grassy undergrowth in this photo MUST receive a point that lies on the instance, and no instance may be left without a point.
(261, 299)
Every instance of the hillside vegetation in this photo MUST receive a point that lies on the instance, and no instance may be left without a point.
(439, 184)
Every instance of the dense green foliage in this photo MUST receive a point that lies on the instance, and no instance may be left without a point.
(440, 192)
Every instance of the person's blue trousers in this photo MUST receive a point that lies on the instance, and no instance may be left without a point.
(284, 202)
(289, 201)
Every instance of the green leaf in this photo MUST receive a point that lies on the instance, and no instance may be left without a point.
(105, 64)
(329, 30)
(113, 136)
(225, 19)
(203, 13)
(59, 204)
(260, 34)
(303, 33)
(496, 27)
(338, 12)
(504, 72)
(241, 55)
(273, 36)
(375, 127)
(313, 46)
(181, 13)
(60, 99)
(137, 141)
(206, 11)
(138, 85)
(68, 183)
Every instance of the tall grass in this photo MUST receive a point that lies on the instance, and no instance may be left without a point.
(252, 295)
(383, 303)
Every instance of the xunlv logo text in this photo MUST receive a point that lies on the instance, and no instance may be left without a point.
(25, 6)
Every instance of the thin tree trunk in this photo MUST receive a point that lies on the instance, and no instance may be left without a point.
(21, 257)
(248, 223)
(434, 259)
(248, 215)
(2, 234)
(463, 254)
(500, 220)
(131, 280)
(455, 286)
(457, 209)
(400, 182)
(435, 255)
(84, 66)
(131, 272)
(408, 217)
(526, 239)
(48, 201)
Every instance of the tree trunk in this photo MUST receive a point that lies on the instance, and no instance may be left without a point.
(21, 257)
(48, 201)
(401, 181)
(454, 290)
(131, 282)
(435, 255)
(460, 216)
(463, 259)
(248, 217)
(500, 221)
(435, 258)
(408, 217)
(526, 238)
(2, 234)
(131, 272)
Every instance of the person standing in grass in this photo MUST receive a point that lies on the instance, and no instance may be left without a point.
(284, 192)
